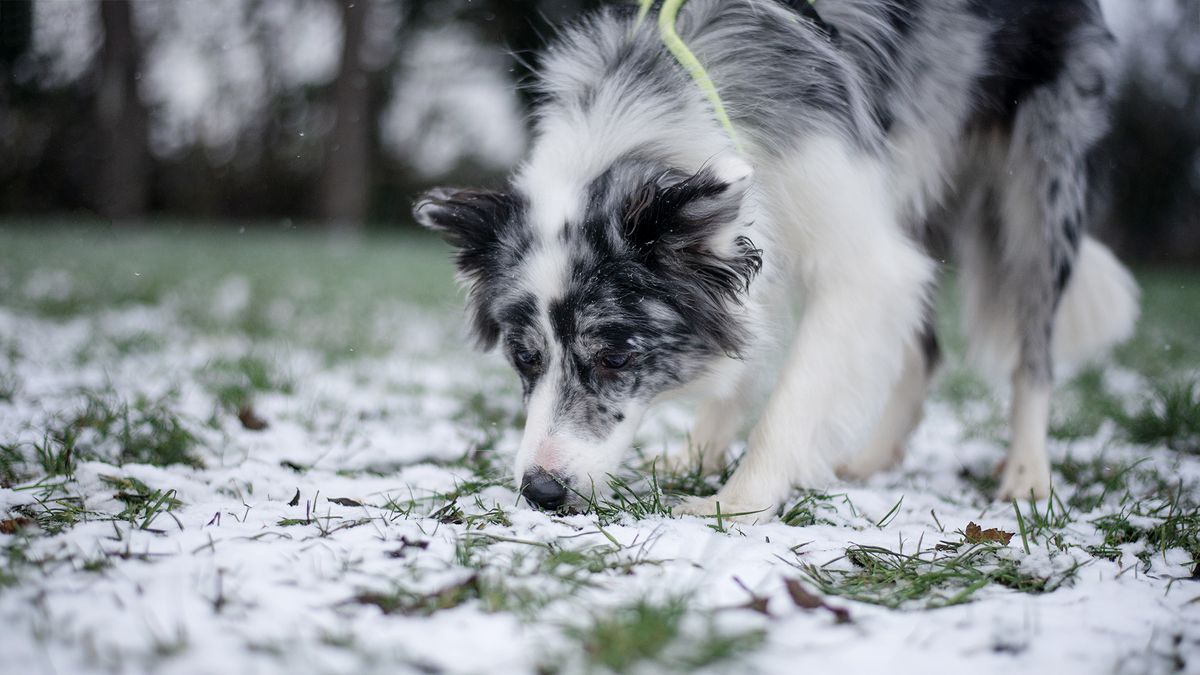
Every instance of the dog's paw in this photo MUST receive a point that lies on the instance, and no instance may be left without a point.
(716, 507)
(1021, 479)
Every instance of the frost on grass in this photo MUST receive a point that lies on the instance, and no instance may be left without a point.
(282, 458)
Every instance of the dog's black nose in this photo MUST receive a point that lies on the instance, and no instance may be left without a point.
(543, 489)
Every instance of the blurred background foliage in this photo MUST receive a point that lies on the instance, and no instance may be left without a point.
(336, 112)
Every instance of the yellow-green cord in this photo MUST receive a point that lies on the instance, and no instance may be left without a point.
(685, 57)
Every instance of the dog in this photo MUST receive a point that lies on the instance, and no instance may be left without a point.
(644, 250)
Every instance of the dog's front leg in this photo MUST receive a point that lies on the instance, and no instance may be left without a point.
(717, 421)
(865, 285)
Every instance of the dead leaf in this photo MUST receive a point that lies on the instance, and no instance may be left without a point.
(801, 596)
(343, 501)
(250, 420)
(295, 499)
(756, 603)
(405, 544)
(805, 599)
(974, 534)
(12, 525)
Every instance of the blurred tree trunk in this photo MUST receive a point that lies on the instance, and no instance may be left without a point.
(16, 31)
(345, 184)
(16, 35)
(122, 180)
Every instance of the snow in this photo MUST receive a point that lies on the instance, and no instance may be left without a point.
(220, 585)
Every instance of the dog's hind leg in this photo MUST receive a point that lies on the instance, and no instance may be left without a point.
(1008, 308)
(1034, 218)
(903, 413)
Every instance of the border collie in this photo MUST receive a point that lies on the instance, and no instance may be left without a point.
(644, 250)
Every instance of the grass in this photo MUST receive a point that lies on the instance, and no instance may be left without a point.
(12, 462)
(13, 557)
(1094, 480)
(234, 382)
(946, 574)
(634, 498)
(270, 299)
(811, 508)
(140, 431)
(689, 478)
(520, 582)
(9, 386)
(54, 510)
(489, 592)
(54, 455)
(648, 632)
(1083, 405)
(318, 292)
(143, 504)
(1170, 416)
(1160, 524)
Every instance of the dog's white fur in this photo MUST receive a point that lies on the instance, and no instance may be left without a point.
(845, 355)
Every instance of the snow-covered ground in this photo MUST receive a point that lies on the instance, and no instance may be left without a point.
(372, 527)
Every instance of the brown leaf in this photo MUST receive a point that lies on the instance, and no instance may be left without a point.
(250, 420)
(343, 501)
(295, 499)
(802, 597)
(756, 603)
(405, 544)
(974, 534)
(12, 525)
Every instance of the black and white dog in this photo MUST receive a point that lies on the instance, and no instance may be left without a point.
(643, 251)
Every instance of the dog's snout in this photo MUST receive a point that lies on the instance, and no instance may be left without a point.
(543, 489)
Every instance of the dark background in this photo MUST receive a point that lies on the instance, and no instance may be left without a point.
(335, 112)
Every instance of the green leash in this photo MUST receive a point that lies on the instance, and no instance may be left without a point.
(675, 44)
(685, 57)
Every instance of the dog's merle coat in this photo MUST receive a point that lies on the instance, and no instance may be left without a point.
(623, 263)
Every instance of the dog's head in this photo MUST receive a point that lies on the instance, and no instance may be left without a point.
(636, 292)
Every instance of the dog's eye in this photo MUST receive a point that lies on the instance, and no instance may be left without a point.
(527, 358)
(615, 360)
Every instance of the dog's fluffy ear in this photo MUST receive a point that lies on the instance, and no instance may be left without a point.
(473, 222)
(691, 225)
(465, 217)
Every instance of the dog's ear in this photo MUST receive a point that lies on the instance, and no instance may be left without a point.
(465, 217)
(473, 222)
(692, 225)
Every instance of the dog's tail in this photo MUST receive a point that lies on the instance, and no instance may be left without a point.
(1099, 307)
(1098, 310)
